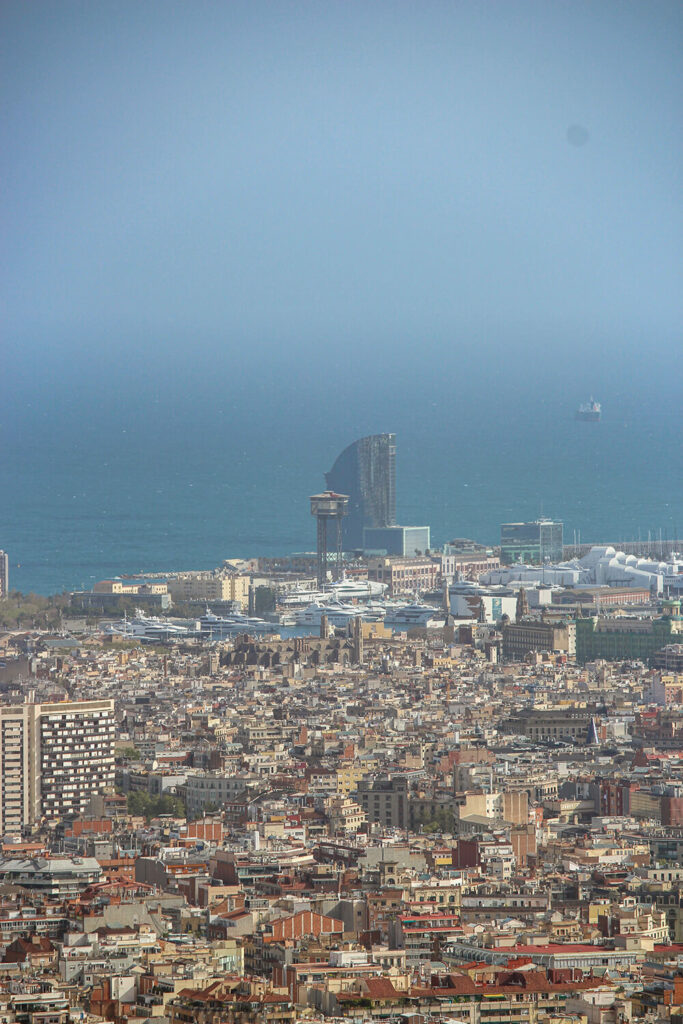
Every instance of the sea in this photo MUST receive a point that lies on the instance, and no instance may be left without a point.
(107, 475)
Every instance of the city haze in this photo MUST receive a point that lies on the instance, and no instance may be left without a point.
(237, 237)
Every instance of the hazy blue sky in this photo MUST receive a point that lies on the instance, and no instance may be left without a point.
(297, 174)
(259, 230)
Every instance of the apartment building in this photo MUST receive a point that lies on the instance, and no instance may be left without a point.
(384, 801)
(53, 759)
(520, 638)
(206, 791)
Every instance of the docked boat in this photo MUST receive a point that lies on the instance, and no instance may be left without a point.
(345, 590)
(338, 614)
(298, 597)
(589, 412)
(357, 590)
(149, 628)
(413, 616)
(216, 627)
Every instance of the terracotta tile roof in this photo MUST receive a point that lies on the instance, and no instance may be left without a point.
(381, 988)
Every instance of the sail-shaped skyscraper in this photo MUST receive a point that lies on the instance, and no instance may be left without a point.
(366, 471)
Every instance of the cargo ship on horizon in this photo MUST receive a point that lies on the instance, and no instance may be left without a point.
(590, 411)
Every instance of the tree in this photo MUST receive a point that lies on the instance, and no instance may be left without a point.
(442, 820)
(129, 753)
(144, 805)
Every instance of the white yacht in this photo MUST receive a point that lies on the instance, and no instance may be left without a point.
(412, 616)
(215, 627)
(338, 614)
(147, 627)
(345, 590)
(373, 611)
(297, 597)
(357, 590)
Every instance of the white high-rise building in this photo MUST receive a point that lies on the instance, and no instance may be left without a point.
(53, 758)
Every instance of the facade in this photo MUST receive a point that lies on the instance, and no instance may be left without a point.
(566, 724)
(396, 540)
(19, 793)
(535, 543)
(366, 472)
(209, 587)
(601, 597)
(520, 638)
(129, 588)
(56, 877)
(210, 791)
(621, 639)
(669, 657)
(484, 607)
(468, 566)
(384, 801)
(404, 575)
(53, 759)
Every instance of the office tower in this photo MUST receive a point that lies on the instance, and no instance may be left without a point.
(53, 759)
(4, 574)
(366, 471)
(537, 542)
(406, 541)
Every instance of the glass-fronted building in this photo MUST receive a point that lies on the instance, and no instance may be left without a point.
(532, 543)
(396, 540)
(366, 471)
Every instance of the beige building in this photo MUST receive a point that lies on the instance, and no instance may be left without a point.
(519, 638)
(553, 724)
(343, 814)
(128, 588)
(405, 575)
(53, 759)
(208, 587)
(469, 566)
(348, 776)
(511, 807)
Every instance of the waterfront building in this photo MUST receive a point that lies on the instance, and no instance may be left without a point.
(208, 587)
(366, 472)
(109, 594)
(129, 588)
(406, 541)
(600, 597)
(404, 575)
(466, 565)
(536, 542)
(4, 574)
